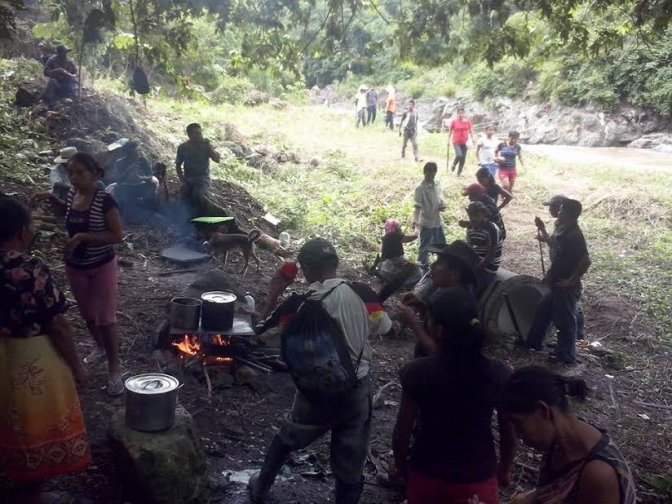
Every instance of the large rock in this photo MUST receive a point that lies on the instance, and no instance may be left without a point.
(231, 134)
(166, 467)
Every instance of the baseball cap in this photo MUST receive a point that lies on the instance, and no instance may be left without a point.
(475, 189)
(62, 48)
(316, 251)
(555, 200)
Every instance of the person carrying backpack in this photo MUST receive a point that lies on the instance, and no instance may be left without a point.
(325, 345)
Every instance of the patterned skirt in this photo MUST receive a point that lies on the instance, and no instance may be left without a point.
(42, 432)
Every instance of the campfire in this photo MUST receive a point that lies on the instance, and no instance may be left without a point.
(190, 346)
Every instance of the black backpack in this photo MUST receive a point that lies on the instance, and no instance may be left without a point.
(316, 352)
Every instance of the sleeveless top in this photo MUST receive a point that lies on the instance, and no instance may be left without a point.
(89, 255)
(563, 486)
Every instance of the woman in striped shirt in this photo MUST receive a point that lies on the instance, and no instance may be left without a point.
(94, 226)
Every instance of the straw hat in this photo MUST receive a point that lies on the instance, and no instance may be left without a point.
(65, 155)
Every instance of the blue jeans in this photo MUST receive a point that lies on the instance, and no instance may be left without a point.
(429, 236)
(559, 307)
(460, 157)
(492, 168)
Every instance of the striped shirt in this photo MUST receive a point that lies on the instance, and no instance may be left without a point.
(482, 239)
(88, 255)
(562, 487)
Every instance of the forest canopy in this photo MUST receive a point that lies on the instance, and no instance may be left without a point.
(600, 51)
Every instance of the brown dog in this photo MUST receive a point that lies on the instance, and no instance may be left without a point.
(220, 244)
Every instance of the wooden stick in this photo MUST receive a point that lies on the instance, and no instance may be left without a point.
(613, 396)
(654, 405)
(258, 366)
(207, 380)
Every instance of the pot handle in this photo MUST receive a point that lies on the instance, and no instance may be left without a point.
(146, 384)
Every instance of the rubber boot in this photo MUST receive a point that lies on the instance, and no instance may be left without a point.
(349, 494)
(260, 484)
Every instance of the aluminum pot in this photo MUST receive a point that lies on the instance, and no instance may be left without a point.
(218, 310)
(185, 313)
(151, 399)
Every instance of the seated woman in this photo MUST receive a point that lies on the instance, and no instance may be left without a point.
(453, 395)
(582, 465)
(42, 431)
(394, 268)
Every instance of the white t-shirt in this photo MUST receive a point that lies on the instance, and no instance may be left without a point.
(428, 199)
(361, 101)
(488, 147)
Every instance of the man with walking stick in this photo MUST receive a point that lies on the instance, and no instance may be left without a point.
(569, 262)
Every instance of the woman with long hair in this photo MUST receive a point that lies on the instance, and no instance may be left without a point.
(505, 156)
(94, 226)
(581, 464)
(452, 396)
(42, 432)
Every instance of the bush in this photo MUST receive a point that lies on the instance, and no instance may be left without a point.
(508, 78)
(232, 90)
(447, 89)
(415, 89)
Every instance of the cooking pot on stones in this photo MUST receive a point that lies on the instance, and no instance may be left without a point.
(218, 310)
(185, 313)
(151, 399)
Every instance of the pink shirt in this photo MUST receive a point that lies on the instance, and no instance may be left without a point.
(460, 130)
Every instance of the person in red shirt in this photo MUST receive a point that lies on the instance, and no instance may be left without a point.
(460, 130)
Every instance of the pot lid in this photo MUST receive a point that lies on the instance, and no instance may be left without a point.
(219, 297)
(152, 383)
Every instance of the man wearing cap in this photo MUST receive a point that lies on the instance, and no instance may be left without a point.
(476, 192)
(62, 75)
(355, 308)
(454, 268)
(569, 262)
(554, 204)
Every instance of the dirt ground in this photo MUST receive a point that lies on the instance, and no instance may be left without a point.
(239, 423)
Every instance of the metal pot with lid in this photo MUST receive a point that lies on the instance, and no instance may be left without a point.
(218, 310)
(151, 399)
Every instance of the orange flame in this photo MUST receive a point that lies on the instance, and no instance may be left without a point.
(218, 340)
(189, 345)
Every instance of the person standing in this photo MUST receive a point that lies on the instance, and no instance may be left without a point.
(62, 75)
(356, 311)
(42, 432)
(390, 107)
(569, 262)
(192, 164)
(485, 150)
(449, 398)
(485, 237)
(460, 130)
(94, 227)
(409, 125)
(581, 464)
(360, 106)
(427, 212)
(505, 156)
(371, 105)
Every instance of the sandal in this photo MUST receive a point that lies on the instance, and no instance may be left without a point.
(115, 388)
(95, 356)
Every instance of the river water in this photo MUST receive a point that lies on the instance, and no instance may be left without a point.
(616, 156)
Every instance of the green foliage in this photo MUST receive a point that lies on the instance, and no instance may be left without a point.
(508, 78)
(415, 90)
(232, 90)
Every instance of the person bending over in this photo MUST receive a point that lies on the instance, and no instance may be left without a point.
(394, 268)
(581, 464)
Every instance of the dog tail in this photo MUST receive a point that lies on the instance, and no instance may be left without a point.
(254, 236)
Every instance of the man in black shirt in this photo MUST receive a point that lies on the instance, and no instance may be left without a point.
(193, 163)
(569, 262)
(62, 75)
